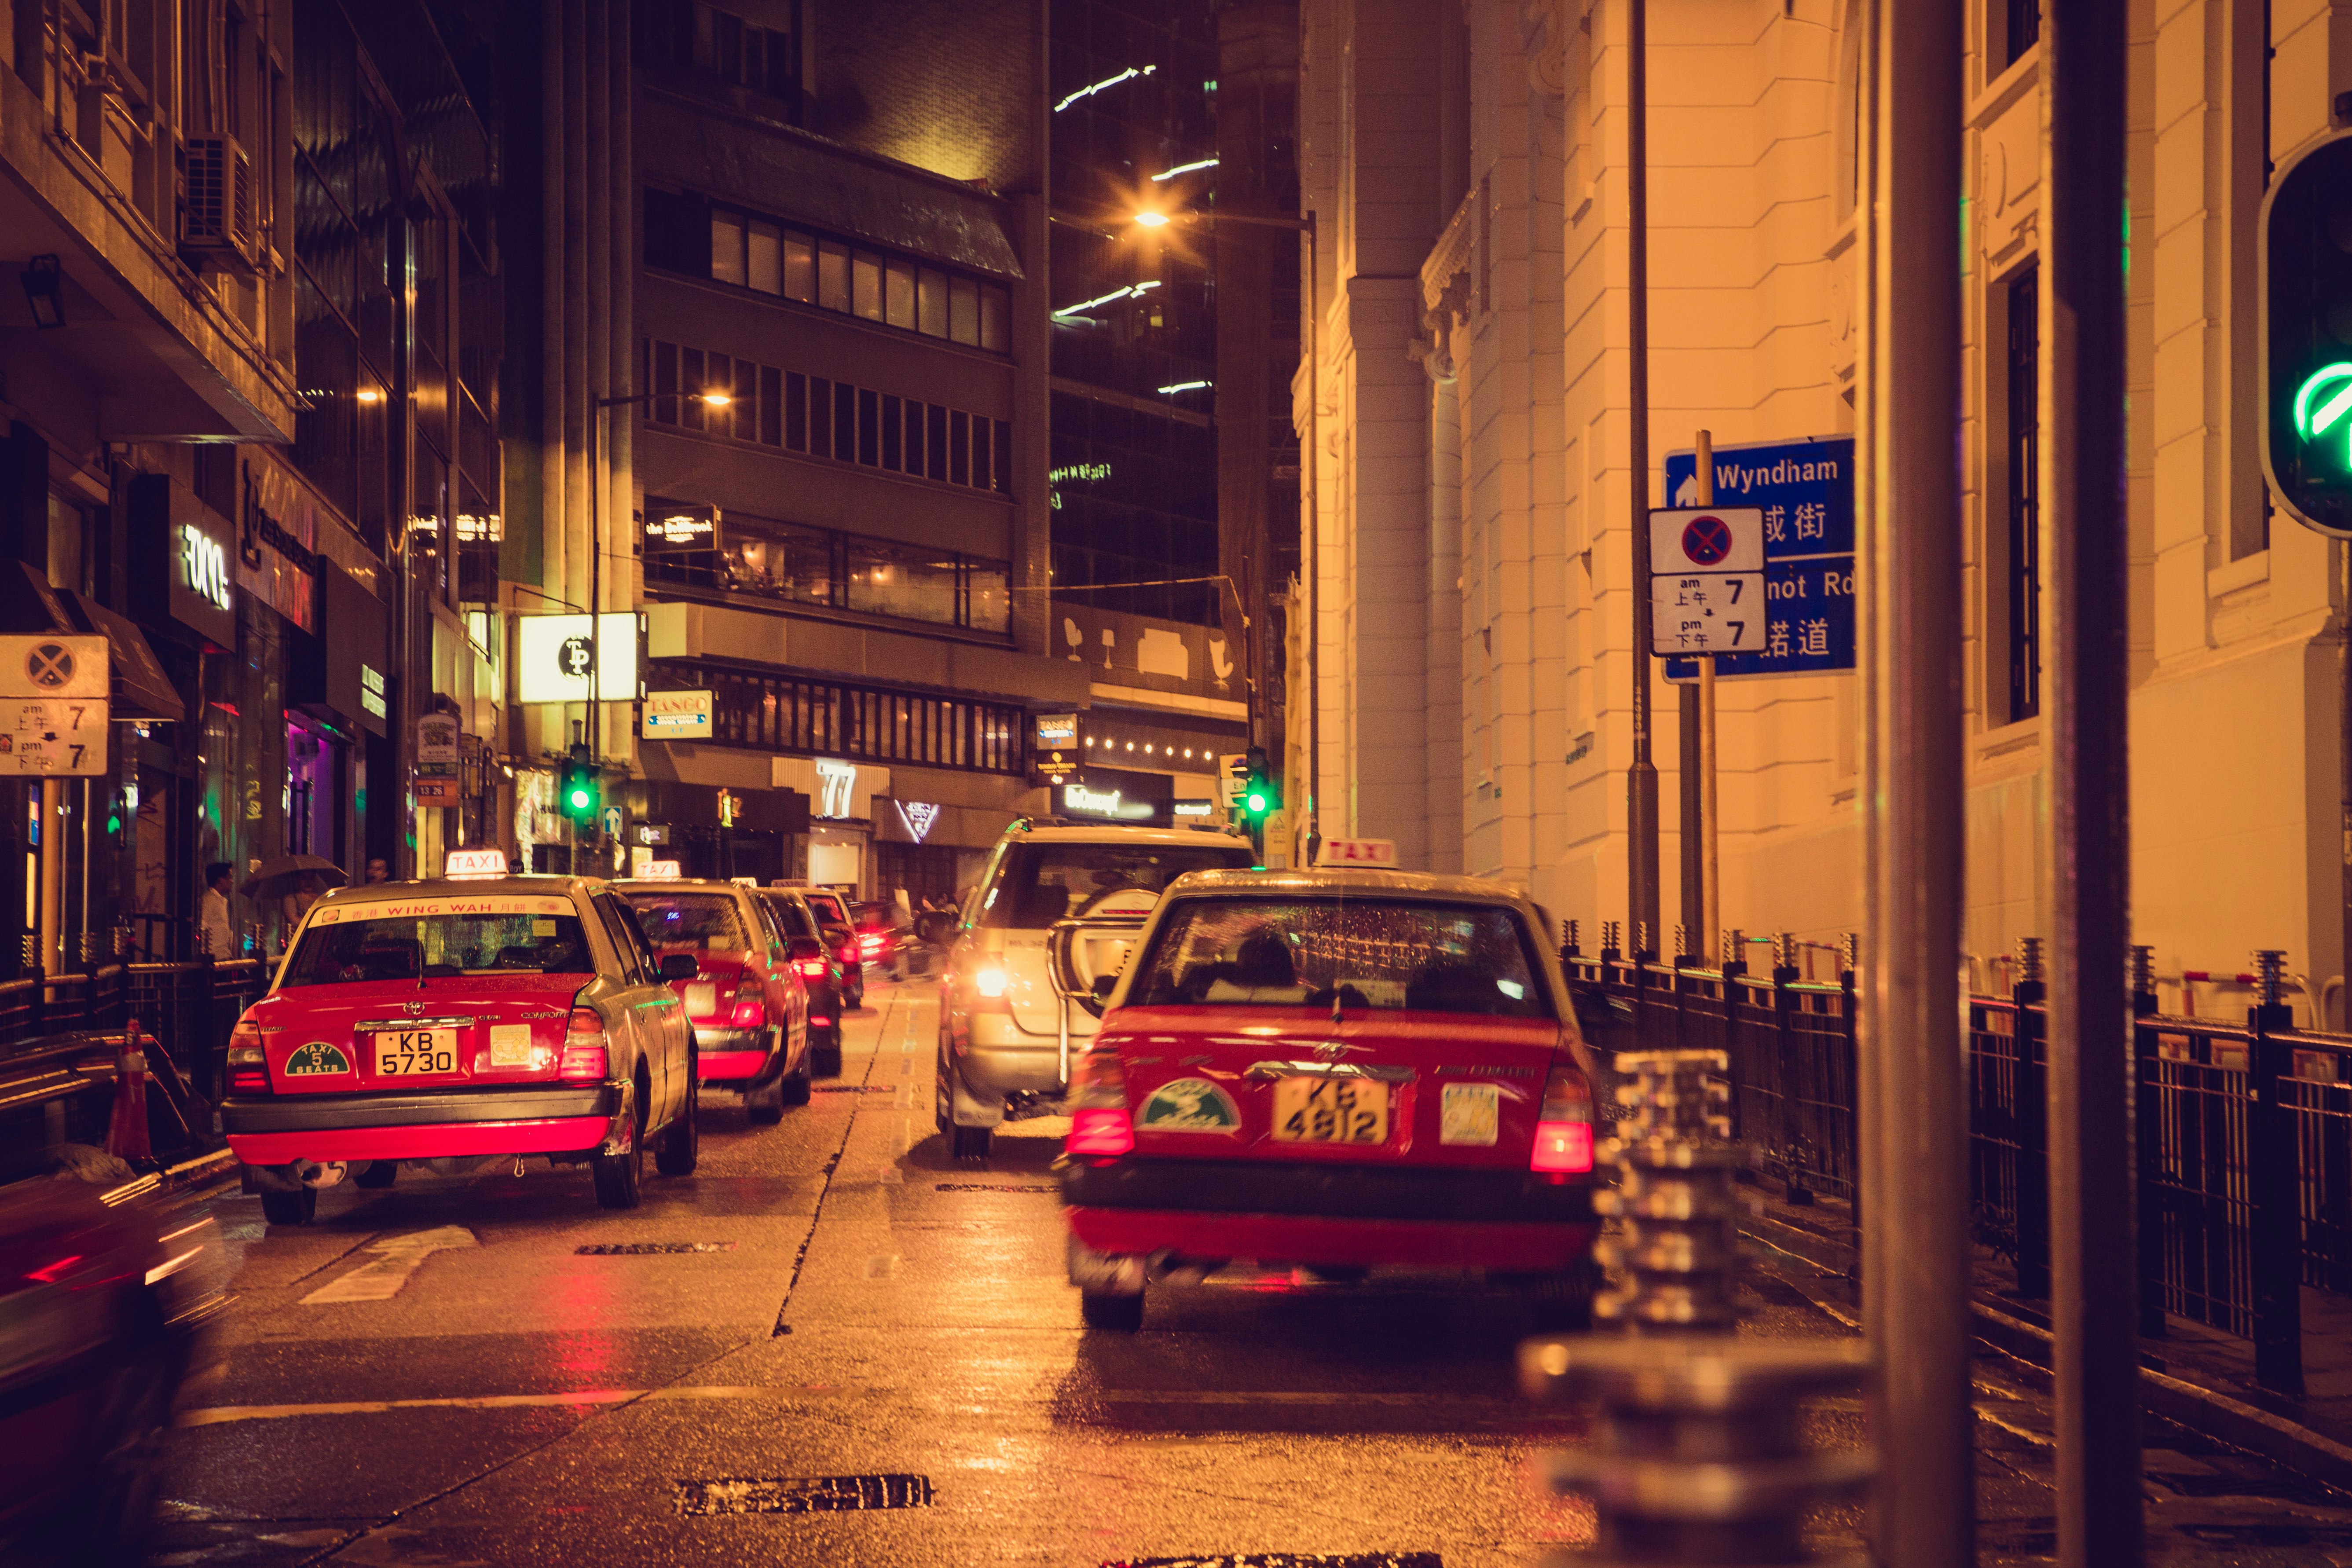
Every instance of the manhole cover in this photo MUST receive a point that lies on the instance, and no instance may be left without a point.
(990, 1187)
(802, 1494)
(1290, 1560)
(647, 1248)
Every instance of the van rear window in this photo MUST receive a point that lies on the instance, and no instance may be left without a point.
(1037, 884)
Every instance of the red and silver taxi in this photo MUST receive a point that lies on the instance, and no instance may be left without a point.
(747, 1002)
(457, 1021)
(1334, 1070)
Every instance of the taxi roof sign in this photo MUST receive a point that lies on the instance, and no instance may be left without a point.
(1357, 852)
(659, 871)
(466, 864)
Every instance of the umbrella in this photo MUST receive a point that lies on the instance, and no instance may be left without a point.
(275, 878)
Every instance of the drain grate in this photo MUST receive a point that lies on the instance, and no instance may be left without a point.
(802, 1494)
(1290, 1560)
(990, 1187)
(648, 1248)
(854, 1088)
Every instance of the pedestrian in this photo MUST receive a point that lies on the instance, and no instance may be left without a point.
(377, 871)
(215, 932)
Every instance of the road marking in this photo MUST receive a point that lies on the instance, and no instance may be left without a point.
(220, 1415)
(397, 1258)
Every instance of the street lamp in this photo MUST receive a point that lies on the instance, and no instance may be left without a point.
(709, 397)
(1310, 562)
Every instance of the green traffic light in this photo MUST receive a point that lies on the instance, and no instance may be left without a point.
(2312, 422)
(579, 798)
(1256, 802)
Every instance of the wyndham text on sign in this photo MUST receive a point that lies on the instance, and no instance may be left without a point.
(1805, 488)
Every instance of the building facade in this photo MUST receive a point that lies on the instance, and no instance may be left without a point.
(1475, 524)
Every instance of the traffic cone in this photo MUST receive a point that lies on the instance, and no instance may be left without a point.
(126, 1135)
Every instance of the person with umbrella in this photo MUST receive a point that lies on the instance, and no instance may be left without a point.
(296, 882)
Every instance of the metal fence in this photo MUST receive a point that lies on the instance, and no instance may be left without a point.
(2244, 1128)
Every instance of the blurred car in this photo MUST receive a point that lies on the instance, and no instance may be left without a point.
(820, 971)
(456, 1022)
(104, 1311)
(1337, 1070)
(839, 929)
(1001, 1022)
(746, 1000)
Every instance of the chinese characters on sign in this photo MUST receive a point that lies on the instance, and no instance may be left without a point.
(1802, 492)
(53, 705)
(1706, 581)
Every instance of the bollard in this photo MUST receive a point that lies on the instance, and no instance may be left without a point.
(1698, 1455)
(1643, 951)
(1734, 951)
(1683, 953)
(2274, 1220)
(1611, 940)
(1567, 940)
(1675, 1198)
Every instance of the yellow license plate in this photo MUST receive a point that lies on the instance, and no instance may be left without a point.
(1330, 1110)
(414, 1053)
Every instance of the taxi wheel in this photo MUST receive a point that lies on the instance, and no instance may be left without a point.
(380, 1173)
(290, 1208)
(680, 1148)
(795, 1085)
(825, 1059)
(619, 1176)
(765, 1104)
(1103, 1310)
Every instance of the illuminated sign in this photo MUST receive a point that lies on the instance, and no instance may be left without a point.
(371, 698)
(919, 816)
(653, 833)
(1056, 747)
(465, 864)
(203, 567)
(683, 531)
(730, 805)
(660, 871)
(837, 784)
(1197, 810)
(555, 655)
(1112, 803)
(677, 716)
(1357, 852)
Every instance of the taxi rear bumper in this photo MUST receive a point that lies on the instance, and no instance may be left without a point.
(1537, 1247)
(563, 1119)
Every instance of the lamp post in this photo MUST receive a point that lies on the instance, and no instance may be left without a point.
(1311, 553)
(709, 398)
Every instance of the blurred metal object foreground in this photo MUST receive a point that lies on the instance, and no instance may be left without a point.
(1697, 1456)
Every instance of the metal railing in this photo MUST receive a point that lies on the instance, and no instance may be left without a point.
(2244, 1128)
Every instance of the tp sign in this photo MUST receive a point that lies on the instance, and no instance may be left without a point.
(1706, 580)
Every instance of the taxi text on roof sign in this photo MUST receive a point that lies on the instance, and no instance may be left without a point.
(660, 871)
(1357, 852)
(468, 863)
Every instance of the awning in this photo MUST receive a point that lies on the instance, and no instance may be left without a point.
(29, 607)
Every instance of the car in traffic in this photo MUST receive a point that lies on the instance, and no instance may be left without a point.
(1336, 1071)
(839, 929)
(885, 933)
(747, 1001)
(1004, 1033)
(454, 1022)
(820, 971)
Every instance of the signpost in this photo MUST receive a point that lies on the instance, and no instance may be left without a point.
(1706, 581)
(437, 760)
(53, 706)
(1804, 490)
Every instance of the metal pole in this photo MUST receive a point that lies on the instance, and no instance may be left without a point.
(2095, 1281)
(1312, 549)
(1912, 1104)
(1710, 868)
(1641, 774)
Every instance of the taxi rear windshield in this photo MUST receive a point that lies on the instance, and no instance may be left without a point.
(707, 923)
(1387, 955)
(1037, 884)
(430, 946)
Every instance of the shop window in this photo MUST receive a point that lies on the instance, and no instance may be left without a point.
(901, 582)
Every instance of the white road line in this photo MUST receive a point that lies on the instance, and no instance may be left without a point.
(220, 1415)
(397, 1258)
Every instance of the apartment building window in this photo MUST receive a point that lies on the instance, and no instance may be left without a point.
(2023, 24)
(767, 256)
(722, 47)
(825, 419)
(693, 546)
(781, 714)
(2024, 539)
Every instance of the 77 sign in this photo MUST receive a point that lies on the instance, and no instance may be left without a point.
(1706, 612)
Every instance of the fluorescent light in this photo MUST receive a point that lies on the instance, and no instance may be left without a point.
(1184, 169)
(1186, 386)
(1130, 74)
(1106, 298)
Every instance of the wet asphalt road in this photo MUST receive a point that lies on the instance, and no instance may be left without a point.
(866, 1307)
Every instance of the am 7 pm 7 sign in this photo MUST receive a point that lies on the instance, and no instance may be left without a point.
(1706, 580)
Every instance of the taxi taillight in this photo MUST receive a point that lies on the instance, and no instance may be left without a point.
(810, 968)
(1097, 1101)
(750, 1007)
(248, 1063)
(1563, 1145)
(585, 1058)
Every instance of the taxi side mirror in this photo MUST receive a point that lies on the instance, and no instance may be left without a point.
(678, 966)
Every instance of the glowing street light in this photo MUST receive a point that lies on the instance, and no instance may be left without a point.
(1152, 219)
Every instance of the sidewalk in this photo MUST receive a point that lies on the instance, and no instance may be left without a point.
(2196, 1377)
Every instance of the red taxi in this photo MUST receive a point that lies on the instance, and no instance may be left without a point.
(453, 1022)
(1333, 1070)
(746, 998)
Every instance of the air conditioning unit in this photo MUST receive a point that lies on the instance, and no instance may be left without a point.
(217, 221)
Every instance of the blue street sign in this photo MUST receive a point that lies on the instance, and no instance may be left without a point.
(1805, 488)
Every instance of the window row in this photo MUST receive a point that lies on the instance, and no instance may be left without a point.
(759, 254)
(828, 419)
(826, 717)
(690, 36)
(702, 547)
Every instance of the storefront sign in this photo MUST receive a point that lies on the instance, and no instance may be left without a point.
(436, 742)
(653, 833)
(1120, 795)
(554, 656)
(203, 567)
(677, 716)
(436, 792)
(279, 563)
(1056, 749)
(473, 863)
(372, 699)
(683, 529)
(179, 565)
(837, 784)
(1080, 800)
(919, 816)
(730, 805)
(1196, 810)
